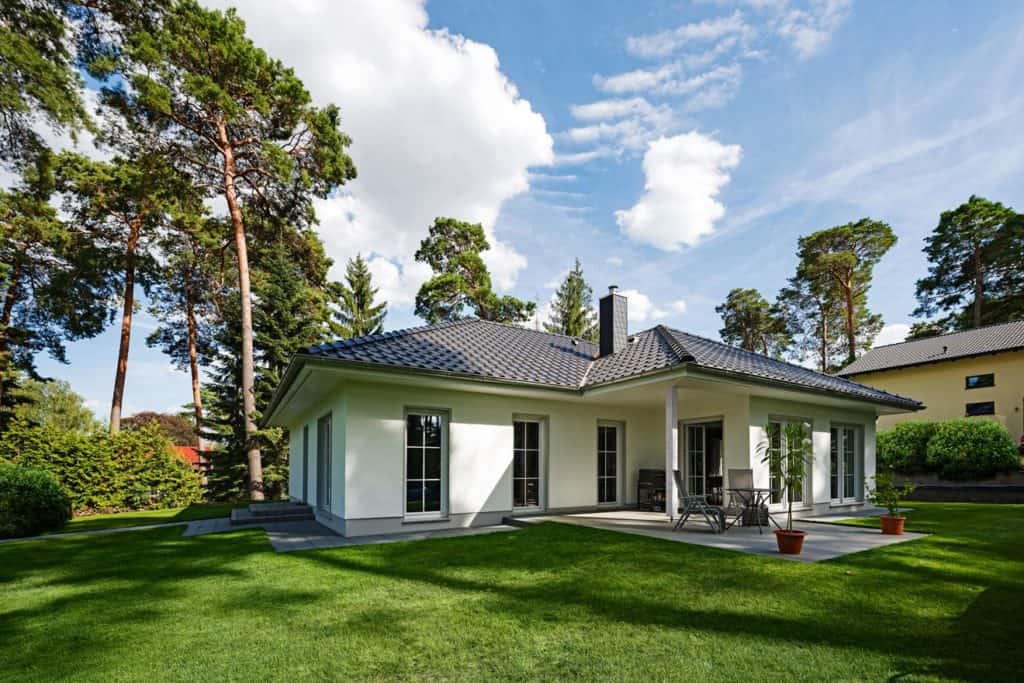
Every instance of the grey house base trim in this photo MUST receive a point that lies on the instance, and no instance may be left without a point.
(382, 525)
(330, 520)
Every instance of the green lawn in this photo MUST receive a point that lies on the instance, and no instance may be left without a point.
(550, 602)
(143, 517)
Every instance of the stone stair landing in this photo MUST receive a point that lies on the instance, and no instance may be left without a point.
(262, 513)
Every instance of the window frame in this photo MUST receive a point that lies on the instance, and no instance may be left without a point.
(991, 380)
(968, 413)
(542, 462)
(445, 416)
(843, 429)
(620, 461)
(807, 486)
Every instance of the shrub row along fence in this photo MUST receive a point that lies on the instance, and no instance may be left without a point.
(132, 470)
(951, 457)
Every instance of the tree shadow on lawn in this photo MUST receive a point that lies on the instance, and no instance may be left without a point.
(547, 575)
(100, 583)
(752, 598)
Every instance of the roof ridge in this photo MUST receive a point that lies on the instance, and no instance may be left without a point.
(527, 329)
(947, 334)
(760, 355)
(665, 332)
(390, 334)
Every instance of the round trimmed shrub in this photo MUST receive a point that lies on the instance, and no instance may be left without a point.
(31, 501)
(904, 448)
(971, 449)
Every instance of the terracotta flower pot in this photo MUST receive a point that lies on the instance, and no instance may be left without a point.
(892, 525)
(790, 542)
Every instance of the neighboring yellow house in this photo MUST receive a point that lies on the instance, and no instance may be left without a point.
(976, 373)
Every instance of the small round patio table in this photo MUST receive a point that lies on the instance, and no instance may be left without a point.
(754, 499)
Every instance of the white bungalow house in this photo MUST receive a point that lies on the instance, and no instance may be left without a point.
(464, 423)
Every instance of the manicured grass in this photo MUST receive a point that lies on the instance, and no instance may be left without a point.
(550, 602)
(141, 518)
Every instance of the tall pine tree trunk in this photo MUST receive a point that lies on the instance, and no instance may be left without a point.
(126, 327)
(193, 362)
(851, 332)
(979, 285)
(252, 448)
(10, 298)
(824, 338)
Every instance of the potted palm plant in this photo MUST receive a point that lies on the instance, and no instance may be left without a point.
(788, 462)
(886, 494)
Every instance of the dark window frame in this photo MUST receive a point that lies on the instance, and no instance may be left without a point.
(980, 408)
(991, 379)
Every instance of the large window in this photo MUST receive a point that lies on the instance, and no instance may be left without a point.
(780, 445)
(526, 463)
(607, 463)
(425, 443)
(980, 381)
(981, 408)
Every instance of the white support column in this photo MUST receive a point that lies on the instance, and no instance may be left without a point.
(671, 451)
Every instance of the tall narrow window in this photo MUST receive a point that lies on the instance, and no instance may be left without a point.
(607, 463)
(834, 464)
(305, 463)
(526, 463)
(696, 450)
(323, 462)
(424, 463)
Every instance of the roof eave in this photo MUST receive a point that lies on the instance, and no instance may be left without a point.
(932, 361)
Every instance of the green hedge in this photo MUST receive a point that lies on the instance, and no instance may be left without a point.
(31, 501)
(134, 469)
(971, 449)
(904, 448)
(953, 449)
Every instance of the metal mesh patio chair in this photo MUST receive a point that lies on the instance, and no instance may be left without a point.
(696, 504)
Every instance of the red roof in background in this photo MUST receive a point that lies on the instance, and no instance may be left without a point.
(187, 453)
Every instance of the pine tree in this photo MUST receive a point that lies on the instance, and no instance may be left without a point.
(245, 126)
(750, 322)
(974, 273)
(842, 259)
(461, 284)
(357, 314)
(572, 311)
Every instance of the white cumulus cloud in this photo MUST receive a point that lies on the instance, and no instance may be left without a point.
(684, 175)
(640, 308)
(437, 128)
(892, 334)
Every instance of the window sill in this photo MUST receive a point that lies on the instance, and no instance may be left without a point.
(425, 520)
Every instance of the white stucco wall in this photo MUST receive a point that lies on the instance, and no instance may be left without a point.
(368, 454)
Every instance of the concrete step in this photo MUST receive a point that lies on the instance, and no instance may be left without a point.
(277, 508)
(241, 516)
(517, 522)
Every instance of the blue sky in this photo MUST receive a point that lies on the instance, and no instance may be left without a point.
(678, 149)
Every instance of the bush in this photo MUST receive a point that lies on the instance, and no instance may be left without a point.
(31, 501)
(904, 448)
(971, 449)
(133, 469)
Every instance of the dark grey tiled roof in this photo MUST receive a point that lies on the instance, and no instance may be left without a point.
(991, 339)
(476, 348)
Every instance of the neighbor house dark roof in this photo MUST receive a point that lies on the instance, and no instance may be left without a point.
(984, 340)
(492, 351)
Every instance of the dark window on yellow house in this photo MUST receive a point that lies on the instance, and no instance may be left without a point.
(979, 381)
(982, 408)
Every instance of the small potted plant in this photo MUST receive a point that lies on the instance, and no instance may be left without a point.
(789, 462)
(886, 494)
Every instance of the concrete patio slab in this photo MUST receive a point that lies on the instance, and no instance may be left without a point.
(823, 542)
(288, 537)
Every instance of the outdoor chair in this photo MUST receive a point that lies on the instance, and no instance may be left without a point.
(696, 504)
